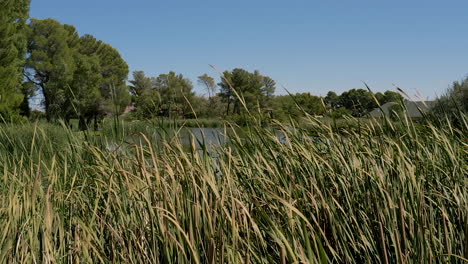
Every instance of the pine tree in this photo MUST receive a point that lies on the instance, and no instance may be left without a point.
(13, 16)
(79, 77)
(51, 63)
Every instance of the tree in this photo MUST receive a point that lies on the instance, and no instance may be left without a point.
(176, 93)
(380, 98)
(114, 94)
(269, 86)
(253, 89)
(51, 63)
(453, 104)
(114, 71)
(332, 99)
(13, 15)
(140, 83)
(309, 103)
(28, 91)
(296, 105)
(148, 105)
(78, 76)
(284, 107)
(359, 101)
(145, 97)
(84, 94)
(209, 83)
(391, 96)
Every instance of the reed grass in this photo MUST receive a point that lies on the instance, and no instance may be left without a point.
(382, 193)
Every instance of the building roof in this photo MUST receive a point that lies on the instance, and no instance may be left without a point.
(414, 109)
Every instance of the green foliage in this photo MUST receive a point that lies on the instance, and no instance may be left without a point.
(212, 107)
(51, 60)
(332, 99)
(359, 101)
(209, 83)
(114, 71)
(391, 96)
(78, 76)
(168, 95)
(36, 115)
(396, 111)
(310, 104)
(453, 102)
(13, 15)
(145, 97)
(297, 106)
(140, 84)
(380, 97)
(340, 112)
(241, 90)
(83, 93)
(244, 90)
(148, 105)
(176, 93)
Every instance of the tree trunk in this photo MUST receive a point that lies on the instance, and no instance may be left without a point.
(46, 102)
(95, 123)
(228, 105)
(82, 123)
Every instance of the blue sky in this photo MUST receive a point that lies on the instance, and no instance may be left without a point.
(306, 46)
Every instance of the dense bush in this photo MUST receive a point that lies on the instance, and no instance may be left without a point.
(454, 101)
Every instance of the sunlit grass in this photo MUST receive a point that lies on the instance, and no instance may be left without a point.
(385, 192)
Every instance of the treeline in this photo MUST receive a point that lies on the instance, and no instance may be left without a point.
(355, 102)
(239, 91)
(81, 77)
(171, 95)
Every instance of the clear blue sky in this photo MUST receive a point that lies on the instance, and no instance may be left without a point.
(306, 46)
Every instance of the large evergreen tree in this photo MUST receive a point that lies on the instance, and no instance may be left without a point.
(240, 85)
(358, 101)
(13, 16)
(176, 92)
(79, 77)
(51, 63)
(140, 84)
(209, 83)
(84, 95)
(114, 71)
(145, 97)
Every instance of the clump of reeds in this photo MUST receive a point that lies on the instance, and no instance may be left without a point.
(383, 193)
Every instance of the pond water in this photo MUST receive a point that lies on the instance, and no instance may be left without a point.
(212, 138)
(208, 136)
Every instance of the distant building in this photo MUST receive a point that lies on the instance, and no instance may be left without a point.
(414, 109)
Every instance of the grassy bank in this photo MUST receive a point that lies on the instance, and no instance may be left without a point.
(383, 193)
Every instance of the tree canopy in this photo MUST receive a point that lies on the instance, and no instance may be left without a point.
(78, 76)
(453, 102)
(13, 16)
(359, 102)
(239, 87)
(168, 95)
(85, 78)
(209, 83)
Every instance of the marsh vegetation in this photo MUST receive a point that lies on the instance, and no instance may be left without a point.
(389, 192)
